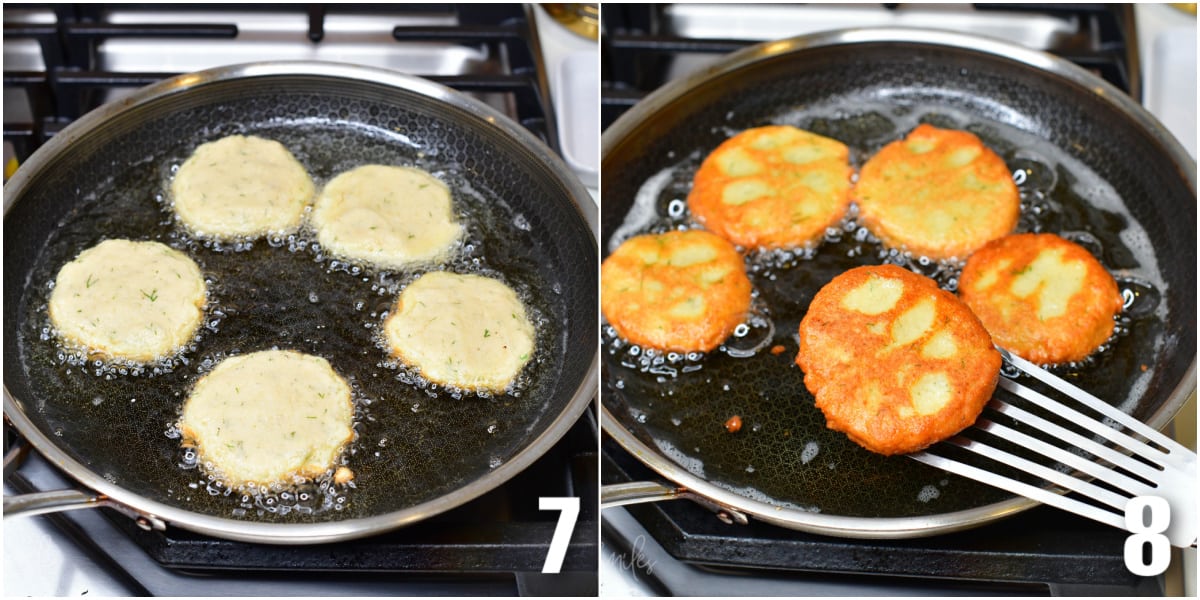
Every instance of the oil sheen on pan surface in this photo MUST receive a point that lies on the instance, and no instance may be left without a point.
(415, 441)
(783, 455)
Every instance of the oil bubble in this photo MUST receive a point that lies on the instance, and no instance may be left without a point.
(811, 449)
(928, 493)
(676, 208)
(1141, 298)
(1032, 172)
(1086, 239)
(753, 335)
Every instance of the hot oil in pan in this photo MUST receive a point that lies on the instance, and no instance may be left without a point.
(784, 454)
(414, 442)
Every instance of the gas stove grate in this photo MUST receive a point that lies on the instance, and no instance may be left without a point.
(1038, 552)
(73, 80)
(639, 46)
(495, 544)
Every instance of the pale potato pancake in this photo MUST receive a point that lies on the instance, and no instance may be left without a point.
(136, 301)
(465, 331)
(269, 416)
(680, 291)
(241, 186)
(939, 193)
(1044, 298)
(391, 217)
(772, 187)
(894, 361)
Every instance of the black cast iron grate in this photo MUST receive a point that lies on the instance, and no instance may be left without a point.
(493, 545)
(1042, 551)
(74, 83)
(638, 46)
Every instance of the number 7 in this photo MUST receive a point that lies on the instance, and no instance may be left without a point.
(562, 531)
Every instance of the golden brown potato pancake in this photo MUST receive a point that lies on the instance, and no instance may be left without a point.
(680, 291)
(939, 193)
(772, 187)
(894, 361)
(1043, 297)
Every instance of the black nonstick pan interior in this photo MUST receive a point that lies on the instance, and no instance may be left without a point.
(415, 443)
(1086, 169)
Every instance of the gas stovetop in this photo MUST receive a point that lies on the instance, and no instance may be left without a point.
(1042, 551)
(494, 545)
(61, 60)
(64, 60)
(647, 45)
(680, 547)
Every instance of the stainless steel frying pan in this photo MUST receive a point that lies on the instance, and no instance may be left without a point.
(1093, 165)
(419, 451)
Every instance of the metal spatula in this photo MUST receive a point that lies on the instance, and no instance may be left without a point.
(1117, 459)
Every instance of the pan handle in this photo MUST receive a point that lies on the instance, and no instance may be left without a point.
(40, 503)
(639, 492)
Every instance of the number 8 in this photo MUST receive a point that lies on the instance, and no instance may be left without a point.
(1143, 533)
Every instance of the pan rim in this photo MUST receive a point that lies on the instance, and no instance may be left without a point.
(346, 529)
(1000, 49)
(879, 527)
(812, 522)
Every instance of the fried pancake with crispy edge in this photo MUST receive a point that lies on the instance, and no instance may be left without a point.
(940, 193)
(266, 416)
(135, 301)
(1045, 298)
(681, 291)
(241, 186)
(388, 216)
(894, 361)
(772, 187)
(466, 331)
